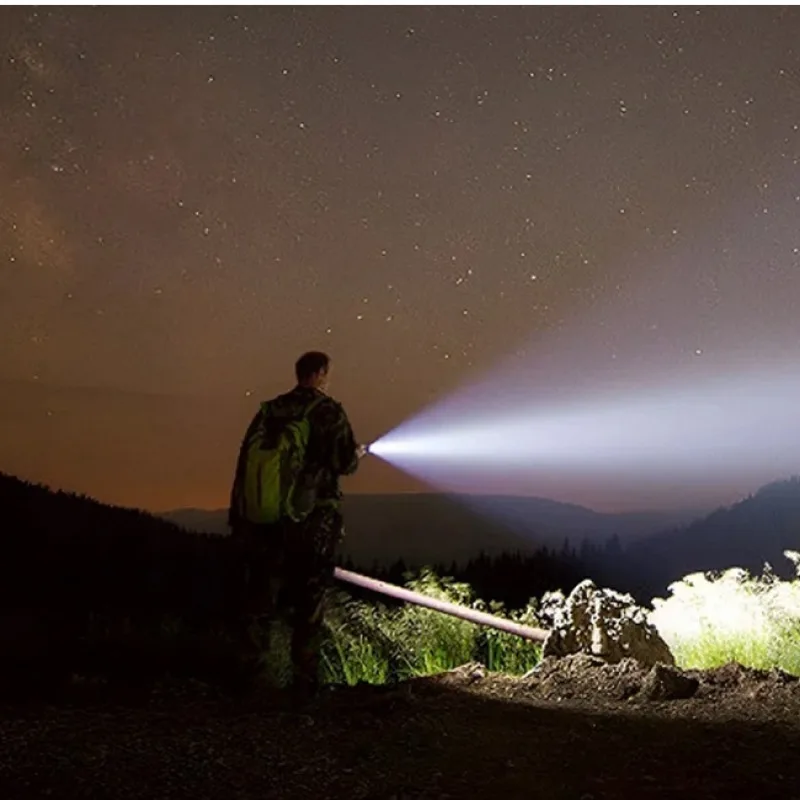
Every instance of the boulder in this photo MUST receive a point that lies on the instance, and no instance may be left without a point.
(602, 623)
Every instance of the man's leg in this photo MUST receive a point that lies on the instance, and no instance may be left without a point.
(312, 575)
(306, 636)
(259, 558)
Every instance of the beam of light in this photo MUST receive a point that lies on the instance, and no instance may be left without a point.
(741, 424)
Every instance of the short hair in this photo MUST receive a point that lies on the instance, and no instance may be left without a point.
(310, 364)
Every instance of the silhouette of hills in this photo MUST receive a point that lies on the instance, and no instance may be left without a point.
(52, 539)
(73, 559)
(755, 530)
(63, 549)
(639, 552)
(442, 528)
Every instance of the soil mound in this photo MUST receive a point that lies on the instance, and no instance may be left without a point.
(592, 680)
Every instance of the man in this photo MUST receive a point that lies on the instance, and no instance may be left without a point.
(288, 564)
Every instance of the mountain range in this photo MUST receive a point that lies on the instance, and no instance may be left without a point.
(749, 534)
(442, 528)
(640, 553)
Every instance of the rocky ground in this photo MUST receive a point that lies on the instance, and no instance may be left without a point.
(576, 729)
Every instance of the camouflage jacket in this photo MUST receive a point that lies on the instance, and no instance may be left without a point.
(331, 451)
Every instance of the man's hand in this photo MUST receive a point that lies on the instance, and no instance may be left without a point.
(362, 450)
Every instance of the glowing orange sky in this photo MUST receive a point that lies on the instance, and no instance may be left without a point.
(192, 197)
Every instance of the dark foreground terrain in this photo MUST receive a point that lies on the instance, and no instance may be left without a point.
(581, 731)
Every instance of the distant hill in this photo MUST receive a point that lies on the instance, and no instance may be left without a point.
(72, 557)
(428, 528)
(747, 534)
(60, 549)
(34, 510)
(104, 551)
(639, 552)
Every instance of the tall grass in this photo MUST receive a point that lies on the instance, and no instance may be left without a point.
(707, 620)
(376, 643)
(711, 620)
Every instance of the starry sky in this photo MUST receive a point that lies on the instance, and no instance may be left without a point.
(191, 197)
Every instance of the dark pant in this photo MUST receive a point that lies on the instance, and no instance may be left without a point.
(285, 571)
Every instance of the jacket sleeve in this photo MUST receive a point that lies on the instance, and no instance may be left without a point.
(342, 442)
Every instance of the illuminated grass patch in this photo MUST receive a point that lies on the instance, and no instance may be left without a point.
(710, 620)
(374, 643)
(707, 621)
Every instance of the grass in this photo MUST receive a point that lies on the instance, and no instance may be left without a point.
(374, 643)
(711, 620)
(707, 621)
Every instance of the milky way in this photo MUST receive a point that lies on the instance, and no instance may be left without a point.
(192, 197)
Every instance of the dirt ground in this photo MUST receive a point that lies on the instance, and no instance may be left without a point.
(579, 729)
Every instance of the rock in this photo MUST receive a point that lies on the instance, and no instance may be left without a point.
(668, 683)
(465, 675)
(471, 672)
(602, 623)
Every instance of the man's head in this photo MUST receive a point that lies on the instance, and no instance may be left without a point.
(312, 370)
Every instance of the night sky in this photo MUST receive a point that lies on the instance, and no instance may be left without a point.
(192, 197)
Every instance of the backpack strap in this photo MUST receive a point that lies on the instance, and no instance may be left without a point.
(313, 404)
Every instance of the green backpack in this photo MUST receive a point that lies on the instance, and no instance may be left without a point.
(275, 480)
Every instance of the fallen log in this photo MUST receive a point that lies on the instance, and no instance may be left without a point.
(442, 606)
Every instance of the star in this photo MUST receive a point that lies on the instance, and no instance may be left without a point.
(190, 202)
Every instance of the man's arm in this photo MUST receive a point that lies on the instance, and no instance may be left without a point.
(345, 452)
